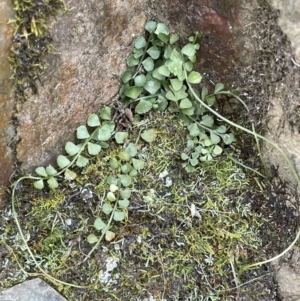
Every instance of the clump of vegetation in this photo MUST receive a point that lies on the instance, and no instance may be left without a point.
(157, 79)
(165, 227)
(146, 193)
(31, 42)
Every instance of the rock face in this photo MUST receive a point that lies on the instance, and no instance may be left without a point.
(289, 21)
(34, 290)
(287, 277)
(224, 47)
(284, 117)
(92, 42)
(6, 104)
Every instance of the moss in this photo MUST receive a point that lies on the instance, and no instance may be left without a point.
(31, 42)
(166, 248)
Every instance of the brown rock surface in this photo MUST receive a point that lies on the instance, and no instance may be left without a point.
(92, 42)
(224, 47)
(6, 103)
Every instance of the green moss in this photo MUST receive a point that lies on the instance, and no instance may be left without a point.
(160, 245)
(31, 42)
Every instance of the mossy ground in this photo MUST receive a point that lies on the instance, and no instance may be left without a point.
(185, 236)
(31, 42)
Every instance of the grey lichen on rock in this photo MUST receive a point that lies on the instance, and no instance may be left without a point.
(34, 290)
(289, 21)
(287, 277)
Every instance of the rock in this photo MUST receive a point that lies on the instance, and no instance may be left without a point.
(92, 43)
(289, 21)
(224, 47)
(6, 103)
(280, 132)
(33, 290)
(287, 276)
